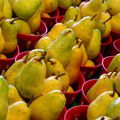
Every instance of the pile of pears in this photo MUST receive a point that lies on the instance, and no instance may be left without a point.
(104, 98)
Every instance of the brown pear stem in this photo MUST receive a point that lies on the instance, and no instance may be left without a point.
(26, 58)
(93, 16)
(108, 10)
(102, 1)
(114, 90)
(3, 73)
(52, 62)
(102, 118)
(117, 118)
(107, 20)
(75, 17)
(61, 74)
(14, 20)
(80, 44)
(69, 31)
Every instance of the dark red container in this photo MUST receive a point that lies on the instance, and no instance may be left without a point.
(63, 114)
(115, 35)
(60, 19)
(89, 72)
(86, 86)
(50, 22)
(6, 63)
(77, 113)
(105, 63)
(70, 96)
(28, 41)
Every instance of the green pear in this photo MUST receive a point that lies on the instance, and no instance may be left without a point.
(3, 98)
(43, 43)
(22, 26)
(54, 67)
(56, 30)
(25, 10)
(91, 8)
(13, 95)
(62, 46)
(50, 5)
(52, 83)
(114, 109)
(94, 46)
(115, 23)
(99, 107)
(84, 29)
(31, 79)
(14, 70)
(70, 23)
(114, 64)
(7, 10)
(34, 20)
(18, 111)
(64, 3)
(104, 118)
(48, 107)
(1, 8)
(105, 82)
(72, 13)
(9, 31)
(113, 4)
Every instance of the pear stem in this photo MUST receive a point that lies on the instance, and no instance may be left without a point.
(52, 62)
(3, 73)
(102, 1)
(117, 118)
(61, 74)
(107, 20)
(108, 10)
(102, 118)
(75, 17)
(26, 58)
(93, 16)
(68, 31)
(114, 90)
(80, 44)
(14, 20)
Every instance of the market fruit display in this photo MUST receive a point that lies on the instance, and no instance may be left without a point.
(43, 81)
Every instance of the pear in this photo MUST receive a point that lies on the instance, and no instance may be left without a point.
(9, 31)
(76, 2)
(56, 30)
(64, 3)
(29, 8)
(48, 107)
(50, 5)
(7, 10)
(54, 67)
(14, 70)
(93, 48)
(18, 110)
(3, 98)
(42, 7)
(62, 46)
(115, 23)
(31, 79)
(104, 81)
(89, 63)
(52, 83)
(43, 43)
(35, 53)
(11, 2)
(84, 29)
(34, 20)
(116, 81)
(113, 4)
(91, 8)
(2, 56)
(114, 109)
(2, 41)
(1, 8)
(104, 118)
(22, 26)
(71, 13)
(99, 107)
(13, 95)
(73, 67)
(114, 64)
